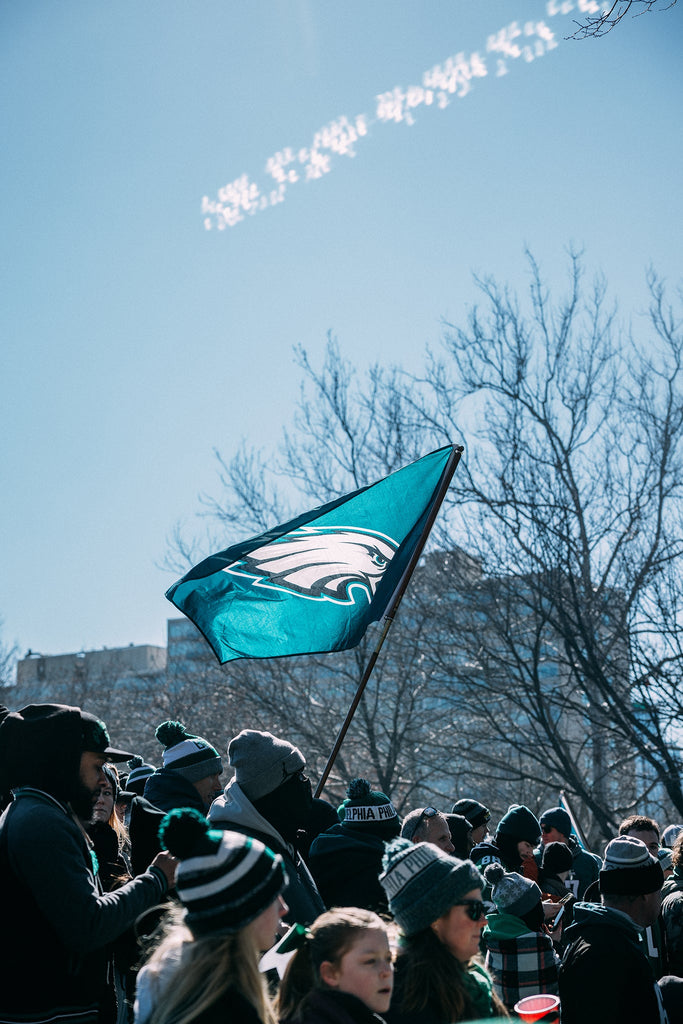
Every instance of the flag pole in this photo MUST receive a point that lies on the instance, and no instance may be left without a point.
(575, 824)
(392, 608)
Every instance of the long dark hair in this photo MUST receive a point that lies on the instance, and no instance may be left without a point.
(432, 976)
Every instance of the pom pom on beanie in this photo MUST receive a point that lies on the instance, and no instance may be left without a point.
(190, 756)
(225, 879)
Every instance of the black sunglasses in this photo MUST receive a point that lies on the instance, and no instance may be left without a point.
(545, 829)
(474, 909)
(428, 812)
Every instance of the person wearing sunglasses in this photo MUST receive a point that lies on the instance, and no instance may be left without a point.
(427, 825)
(435, 899)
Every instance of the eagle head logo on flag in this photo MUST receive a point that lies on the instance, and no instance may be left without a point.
(316, 582)
(321, 563)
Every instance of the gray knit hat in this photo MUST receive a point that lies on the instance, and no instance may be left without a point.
(422, 883)
(664, 856)
(629, 869)
(262, 762)
(512, 893)
(670, 835)
(190, 756)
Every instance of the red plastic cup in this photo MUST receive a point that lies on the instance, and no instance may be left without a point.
(536, 1007)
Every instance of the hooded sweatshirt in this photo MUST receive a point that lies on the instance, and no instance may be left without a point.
(234, 812)
(57, 920)
(605, 975)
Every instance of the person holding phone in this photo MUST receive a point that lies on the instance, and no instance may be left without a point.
(520, 955)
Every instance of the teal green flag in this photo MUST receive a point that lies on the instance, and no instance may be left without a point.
(315, 583)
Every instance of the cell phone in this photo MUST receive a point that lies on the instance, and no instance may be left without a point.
(552, 925)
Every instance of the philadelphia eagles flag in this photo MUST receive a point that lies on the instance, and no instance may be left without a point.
(315, 583)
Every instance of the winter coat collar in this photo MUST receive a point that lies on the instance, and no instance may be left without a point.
(594, 914)
(506, 926)
(233, 806)
(40, 794)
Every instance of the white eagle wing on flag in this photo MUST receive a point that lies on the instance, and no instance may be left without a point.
(320, 562)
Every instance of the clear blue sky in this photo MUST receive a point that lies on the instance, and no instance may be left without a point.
(133, 339)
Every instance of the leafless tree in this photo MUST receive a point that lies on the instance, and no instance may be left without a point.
(570, 496)
(601, 19)
(540, 645)
(8, 660)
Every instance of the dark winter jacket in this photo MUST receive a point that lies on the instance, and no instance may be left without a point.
(674, 883)
(346, 864)
(605, 975)
(57, 920)
(585, 867)
(328, 1006)
(672, 918)
(167, 789)
(233, 811)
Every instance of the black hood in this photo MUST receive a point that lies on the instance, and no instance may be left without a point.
(41, 746)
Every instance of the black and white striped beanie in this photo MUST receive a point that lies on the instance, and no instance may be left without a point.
(224, 879)
(190, 756)
(139, 772)
(629, 869)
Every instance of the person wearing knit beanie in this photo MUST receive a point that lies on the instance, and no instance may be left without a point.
(224, 880)
(605, 944)
(139, 772)
(477, 814)
(346, 860)
(556, 866)
(189, 776)
(513, 844)
(369, 810)
(435, 899)
(262, 762)
(461, 835)
(270, 799)
(629, 869)
(519, 951)
(230, 889)
(556, 827)
(422, 883)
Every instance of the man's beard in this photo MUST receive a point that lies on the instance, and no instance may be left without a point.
(83, 801)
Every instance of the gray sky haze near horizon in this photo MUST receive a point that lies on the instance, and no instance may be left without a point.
(190, 190)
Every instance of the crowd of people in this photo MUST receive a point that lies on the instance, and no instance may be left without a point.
(135, 894)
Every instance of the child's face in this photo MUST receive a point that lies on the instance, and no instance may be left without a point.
(365, 970)
(525, 850)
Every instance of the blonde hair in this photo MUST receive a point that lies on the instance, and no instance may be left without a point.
(114, 821)
(206, 968)
(331, 936)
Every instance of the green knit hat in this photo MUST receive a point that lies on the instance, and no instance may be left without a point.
(368, 810)
(520, 823)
